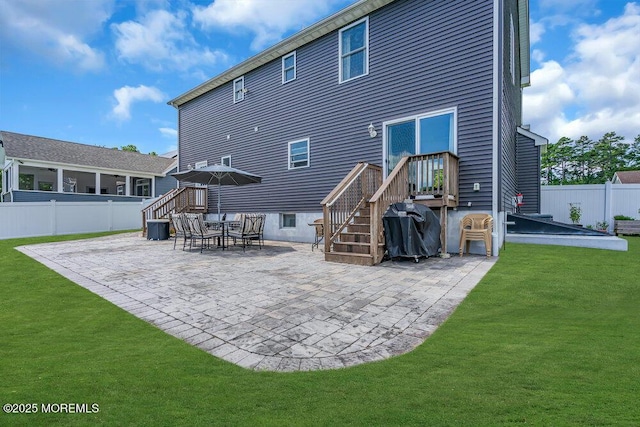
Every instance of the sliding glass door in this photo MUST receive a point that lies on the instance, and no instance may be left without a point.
(427, 133)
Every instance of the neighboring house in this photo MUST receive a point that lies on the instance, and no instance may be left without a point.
(377, 81)
(41, 169)
(626, 177)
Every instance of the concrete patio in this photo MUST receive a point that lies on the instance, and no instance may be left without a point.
(282, 308)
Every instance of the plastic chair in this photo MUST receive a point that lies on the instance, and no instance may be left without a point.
(476, 227)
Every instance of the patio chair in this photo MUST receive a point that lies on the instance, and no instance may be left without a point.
(251, 228)
(318, 226)
(200, 231)
(182, 230)
(476, 227)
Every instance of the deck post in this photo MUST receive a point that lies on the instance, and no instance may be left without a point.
(443, 227)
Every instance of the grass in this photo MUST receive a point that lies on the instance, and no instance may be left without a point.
(551, 336)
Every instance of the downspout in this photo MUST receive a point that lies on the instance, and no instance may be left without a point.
(497, 125)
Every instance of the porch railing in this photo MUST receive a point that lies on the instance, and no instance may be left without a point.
(341, 205)
(184, 199)
(426, 176)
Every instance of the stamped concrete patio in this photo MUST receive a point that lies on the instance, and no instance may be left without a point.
(282, 308)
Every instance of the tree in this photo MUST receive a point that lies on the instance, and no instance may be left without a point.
(609, 155)
(633, 154)
(584, 161)
(130, 147)
(555, 161)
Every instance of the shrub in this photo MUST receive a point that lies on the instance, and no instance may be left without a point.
(623, 218)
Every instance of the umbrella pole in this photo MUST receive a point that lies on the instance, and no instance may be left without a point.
(218, 201)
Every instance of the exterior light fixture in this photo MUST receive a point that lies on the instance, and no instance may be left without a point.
(372, 131)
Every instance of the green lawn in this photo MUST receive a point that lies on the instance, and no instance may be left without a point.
(550, 337)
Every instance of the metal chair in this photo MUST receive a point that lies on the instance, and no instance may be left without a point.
(476, 227)
(318, 224)
(182, 230)
(200, 231)
(251, 228)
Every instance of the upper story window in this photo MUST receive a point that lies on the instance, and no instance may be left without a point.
(225, 160)
(238, 89)
(354, 50)
(289, 67)
(299, 154)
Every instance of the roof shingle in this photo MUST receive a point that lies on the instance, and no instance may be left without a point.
(30, 147)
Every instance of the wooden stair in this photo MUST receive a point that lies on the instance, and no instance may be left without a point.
(353, 245)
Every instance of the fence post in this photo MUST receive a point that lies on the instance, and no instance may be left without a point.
(110, 214)
(54, 217)
(608, 205)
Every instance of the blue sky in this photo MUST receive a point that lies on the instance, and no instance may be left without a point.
(101, 71)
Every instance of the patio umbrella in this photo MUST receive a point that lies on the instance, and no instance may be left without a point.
(218, 174)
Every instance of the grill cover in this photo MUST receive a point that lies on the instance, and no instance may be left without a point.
(411, 230)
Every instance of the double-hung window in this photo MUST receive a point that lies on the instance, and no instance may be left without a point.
(299, 154)
(289, 67)
(354, 50)
(238, 89)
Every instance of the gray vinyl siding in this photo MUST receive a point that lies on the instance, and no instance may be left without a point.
(528, 166)
(45, 196)
(424, 56)
(165, 184)
(510, 110)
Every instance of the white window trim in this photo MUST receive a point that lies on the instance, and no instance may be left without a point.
(242, 91)
(225, 157)
(416, 118)
(289, 153)
(366, 49)
(295, 67)
(201, 164)
(512, 51)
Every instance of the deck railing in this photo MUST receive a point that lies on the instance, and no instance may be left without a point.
(426, 176)
(184, 199)
(341, 205)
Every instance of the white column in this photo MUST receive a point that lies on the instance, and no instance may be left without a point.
(97, 183)
(127, 186)
(15, 180)
(153, 187)
(60, 181)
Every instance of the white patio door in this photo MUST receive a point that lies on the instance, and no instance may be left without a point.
(423, 134)
(401, 142)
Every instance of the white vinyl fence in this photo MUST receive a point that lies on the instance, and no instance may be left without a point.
(28, 219)
(598, 202)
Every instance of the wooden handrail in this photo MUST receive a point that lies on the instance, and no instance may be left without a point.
(345, 182)
(344, 201)
(430, 175)
(183, 199)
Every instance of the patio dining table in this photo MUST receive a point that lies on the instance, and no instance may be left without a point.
(222, 225)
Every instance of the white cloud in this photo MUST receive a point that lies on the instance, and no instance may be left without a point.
(169, 132)
(596, 90)
(160, 40)
(56, 30)
(127, 95)
(536, 30)
(268, 20)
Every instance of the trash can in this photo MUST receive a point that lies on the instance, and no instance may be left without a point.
(411, 230)
(157, 229)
